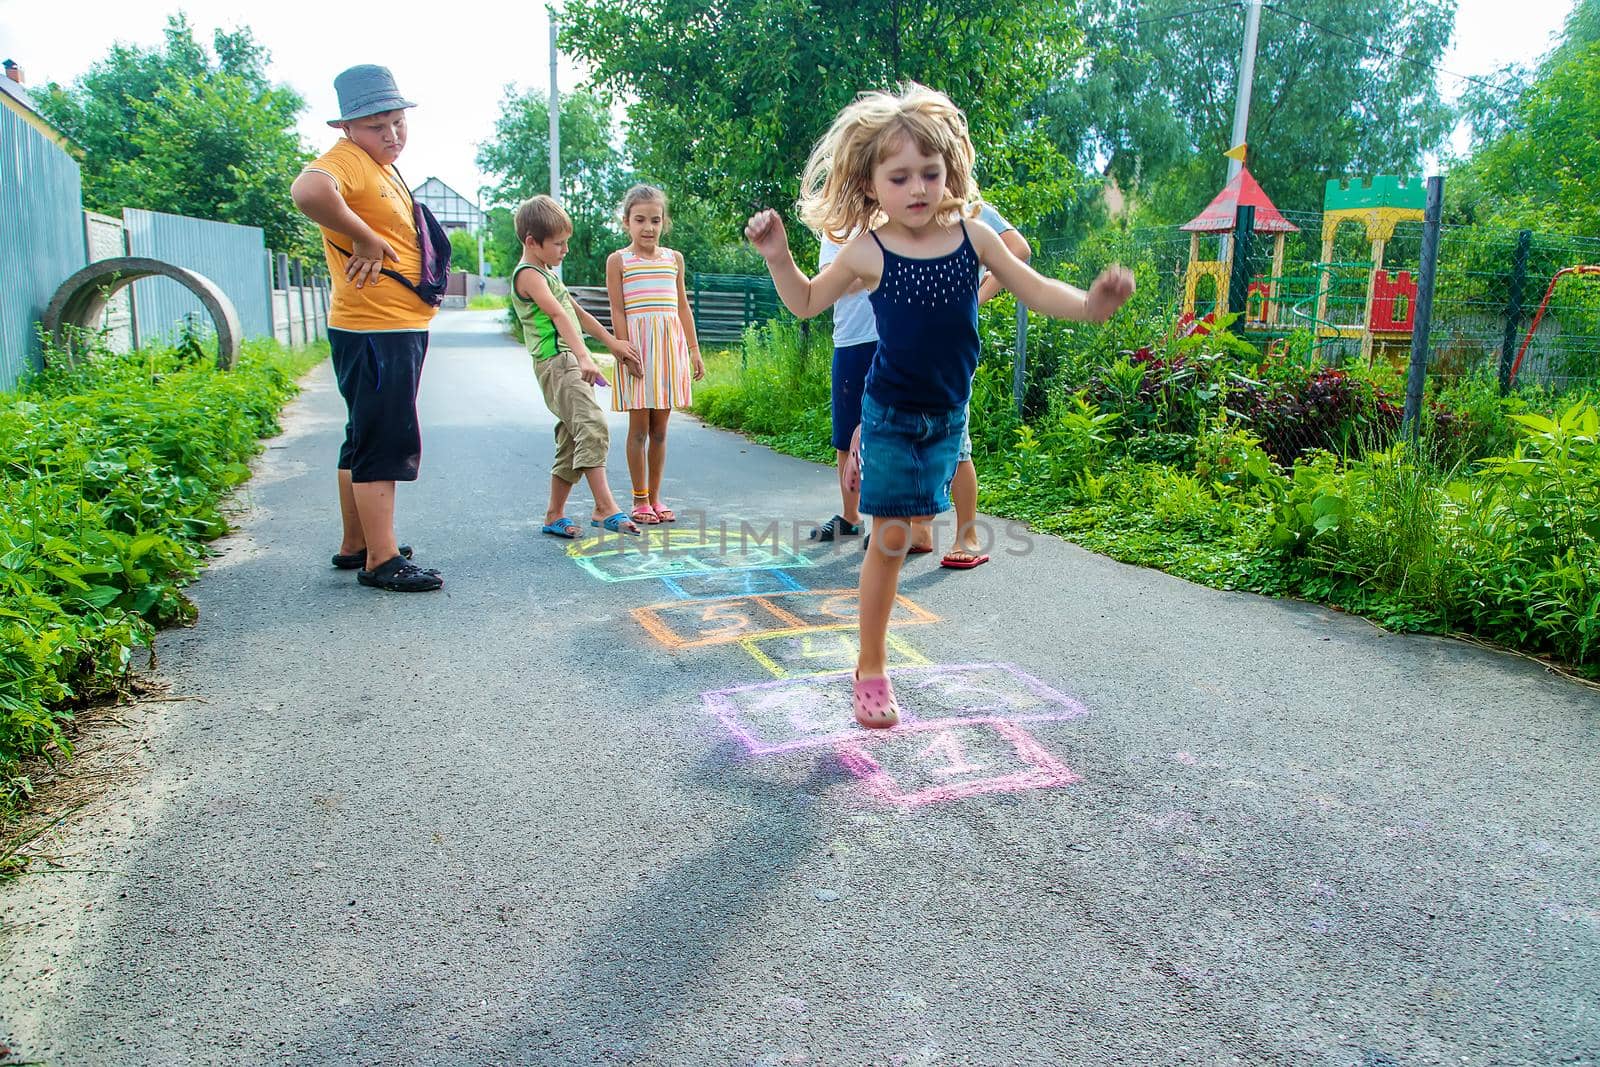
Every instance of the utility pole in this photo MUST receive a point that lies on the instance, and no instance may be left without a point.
(1247, 75)
(555, 116)
(555, 121)
(483, 222)
(1241, 99)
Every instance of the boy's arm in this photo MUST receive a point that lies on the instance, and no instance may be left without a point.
(804, 297)
(686, 316)
(991, 287)
(623, 350)
(531, 285)
(1056, 299)
(317, 196)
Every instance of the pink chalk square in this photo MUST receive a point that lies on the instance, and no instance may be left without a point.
(930, 762)
(798, 713)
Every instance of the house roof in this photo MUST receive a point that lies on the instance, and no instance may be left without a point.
(448, 205)
(441, 188)
(16, 98)
(1219, 215)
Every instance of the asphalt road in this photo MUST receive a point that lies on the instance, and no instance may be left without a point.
(608, 807)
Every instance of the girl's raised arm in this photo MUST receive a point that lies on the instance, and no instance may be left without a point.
(804, 297)
(1046, 295)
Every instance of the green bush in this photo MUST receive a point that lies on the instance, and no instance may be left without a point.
(1278, 475)
(776, 387)
(112, 474)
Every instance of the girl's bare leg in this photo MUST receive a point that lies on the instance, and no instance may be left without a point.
(851, 497)
(658, 451)
(880, 581)
(964, 493)
(638, 438)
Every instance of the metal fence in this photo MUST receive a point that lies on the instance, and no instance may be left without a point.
(723, 305)
(1490, 285)
(1508, 309)
(234, 257)
(41, 232)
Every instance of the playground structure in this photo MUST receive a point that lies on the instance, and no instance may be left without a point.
(1275, 304)
(1590, 271)
(1218, 220)
(1389, 306)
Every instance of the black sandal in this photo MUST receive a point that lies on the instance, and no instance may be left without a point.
(398, 575)
(833, 529)
(357, 560)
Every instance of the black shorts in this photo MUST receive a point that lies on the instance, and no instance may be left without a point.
(378, 376)
(850, 366)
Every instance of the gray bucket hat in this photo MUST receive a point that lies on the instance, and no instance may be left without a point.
(366, 90)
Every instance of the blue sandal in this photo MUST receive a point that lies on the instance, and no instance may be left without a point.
(618, 523)
(562, 527)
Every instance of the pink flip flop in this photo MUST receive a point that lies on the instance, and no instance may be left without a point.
(874, 704)
(954, 561)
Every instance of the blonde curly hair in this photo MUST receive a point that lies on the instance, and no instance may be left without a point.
(835, 189)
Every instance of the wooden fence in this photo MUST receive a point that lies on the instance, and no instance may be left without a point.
(722, 305)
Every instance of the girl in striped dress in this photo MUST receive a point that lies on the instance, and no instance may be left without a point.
(650, 304)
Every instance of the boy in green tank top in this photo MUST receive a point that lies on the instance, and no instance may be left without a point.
(567, 376)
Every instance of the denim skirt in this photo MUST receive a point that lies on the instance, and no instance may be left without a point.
(908, 459)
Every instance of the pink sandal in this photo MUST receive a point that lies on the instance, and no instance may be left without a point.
(665, 514)
(645, 515)
(874, 704)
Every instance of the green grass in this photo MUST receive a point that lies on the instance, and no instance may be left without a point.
(112, 478)
(1444, 538)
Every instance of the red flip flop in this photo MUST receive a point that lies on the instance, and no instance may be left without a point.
(956, 563)
(919, 550)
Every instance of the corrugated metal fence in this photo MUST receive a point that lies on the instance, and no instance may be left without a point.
(234, 257)
(46, 236)
(41, 235)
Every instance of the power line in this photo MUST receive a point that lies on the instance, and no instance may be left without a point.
(1175, 16)
(1232, 5)
(1386, 51)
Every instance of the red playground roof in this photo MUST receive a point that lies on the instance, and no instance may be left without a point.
(1218, 217)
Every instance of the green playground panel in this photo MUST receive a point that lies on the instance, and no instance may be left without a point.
(1380, 191)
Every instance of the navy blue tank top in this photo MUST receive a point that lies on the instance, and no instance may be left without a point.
(927, 312)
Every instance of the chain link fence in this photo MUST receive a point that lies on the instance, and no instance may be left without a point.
(1318, 352)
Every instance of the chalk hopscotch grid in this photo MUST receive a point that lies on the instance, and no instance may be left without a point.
(863, 755)
(1041, 770)
(780, 610)
(827, 724)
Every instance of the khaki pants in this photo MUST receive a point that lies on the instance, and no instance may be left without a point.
(582, 437)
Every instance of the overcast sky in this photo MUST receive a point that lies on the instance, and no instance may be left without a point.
(455, 62)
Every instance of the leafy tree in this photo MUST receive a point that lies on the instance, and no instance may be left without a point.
(730, 98)
(1582, 29)
(170, 129)
(1543, 172)
(464, 251)
(500, 246)
(594, 174)
(1353, 94)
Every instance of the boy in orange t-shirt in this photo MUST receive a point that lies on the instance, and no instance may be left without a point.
(378, 328)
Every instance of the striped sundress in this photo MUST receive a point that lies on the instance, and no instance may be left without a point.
(650, 302)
